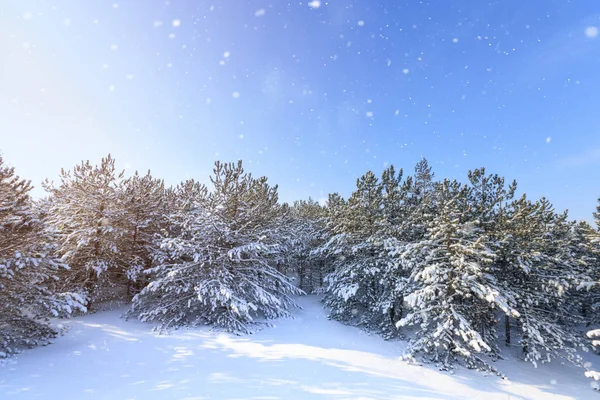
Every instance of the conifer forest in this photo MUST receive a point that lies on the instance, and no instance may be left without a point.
(458, 269)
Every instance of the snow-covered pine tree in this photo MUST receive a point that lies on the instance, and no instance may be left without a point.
(420, 202)
(408, 208)
(86, 211)
(352, 289)
(329, 250)
(585, 253)
(221, 267)
(392, 232)
(28, 269)
(142, 199)
(594, 336)
(538, 274)
(305, 231)
(486, 205)
(451, 287)
(365, 287)
(593, 286)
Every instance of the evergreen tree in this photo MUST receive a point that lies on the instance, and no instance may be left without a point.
(352, 287)
(28, 270)
(452, 287)
(594, 335)
(539, 272)
(221, 267)
(305, 231)
(142, 200)
(85, 210)
(487, 202)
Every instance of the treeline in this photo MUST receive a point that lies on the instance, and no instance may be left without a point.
(459, 269)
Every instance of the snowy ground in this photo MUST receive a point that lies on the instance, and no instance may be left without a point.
(105, 357)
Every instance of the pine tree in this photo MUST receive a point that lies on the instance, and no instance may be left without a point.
(28, 270)
(221, 268)
(452, 287)
(143, 203)
(539, 273)
(408, 208)
(305, 231)
(352, 288)
(486, 205)
(85, 209)
(594, 335)
(597, 215)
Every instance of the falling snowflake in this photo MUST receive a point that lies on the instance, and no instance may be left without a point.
(226, 54)
(241, 136)
(548, 139)
(157, 24)
(114, 47)
(314, 4)
(235, 95)
(405, 71)
(361, 23)
(591, 31)
(176, 23)
(259, 13)
(455, 40)
(369, 114)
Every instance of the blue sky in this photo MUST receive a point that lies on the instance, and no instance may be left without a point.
(310, 94)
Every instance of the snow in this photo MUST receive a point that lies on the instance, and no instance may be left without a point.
(105, 357)
(591, 32)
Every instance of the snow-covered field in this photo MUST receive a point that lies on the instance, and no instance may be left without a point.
(105, 357)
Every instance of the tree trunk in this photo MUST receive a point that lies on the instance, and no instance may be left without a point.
(507, 329)
(301, 273)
